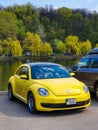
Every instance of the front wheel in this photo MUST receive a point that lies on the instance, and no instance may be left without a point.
(10, 93)
(96, 92)
(31, 103)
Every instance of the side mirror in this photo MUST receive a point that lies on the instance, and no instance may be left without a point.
(74, 68)
(72, 74)
(23, 77)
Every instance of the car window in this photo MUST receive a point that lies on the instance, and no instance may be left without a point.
(22, 71)
(82, 63)
(94, 63)
(49, 72)
(87, 63)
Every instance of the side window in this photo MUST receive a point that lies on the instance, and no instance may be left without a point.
(94, 63)
(22, 71)
(19, 71)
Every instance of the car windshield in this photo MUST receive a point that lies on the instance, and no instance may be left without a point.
(82, 63)
(88, 63)
(49, 72)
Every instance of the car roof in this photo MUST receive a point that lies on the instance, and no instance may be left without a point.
(91, 56)
(93, 51)
(41, 64)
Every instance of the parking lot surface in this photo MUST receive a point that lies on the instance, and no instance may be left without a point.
(14, 115)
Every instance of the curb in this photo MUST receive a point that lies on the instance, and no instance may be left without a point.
(3, 93)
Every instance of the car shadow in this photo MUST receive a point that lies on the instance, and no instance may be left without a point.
(19, 109)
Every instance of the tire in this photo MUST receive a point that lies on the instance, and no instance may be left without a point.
(10, 93)
(31, 103)
(96, 92)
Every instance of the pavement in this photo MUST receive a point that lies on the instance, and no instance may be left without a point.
(3, 93)
(14, 115)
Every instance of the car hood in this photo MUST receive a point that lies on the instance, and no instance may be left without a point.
(62, 86)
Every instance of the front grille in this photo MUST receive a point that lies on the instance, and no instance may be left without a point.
(63, 105)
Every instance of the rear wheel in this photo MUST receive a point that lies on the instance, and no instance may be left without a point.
(10, 93)
(96, 92)
(31, 103)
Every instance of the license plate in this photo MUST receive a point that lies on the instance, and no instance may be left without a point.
(70, 101)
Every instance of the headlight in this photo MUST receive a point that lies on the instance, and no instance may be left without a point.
(85, 88)
(43, 92)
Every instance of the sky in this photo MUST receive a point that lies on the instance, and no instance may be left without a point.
(72, 4)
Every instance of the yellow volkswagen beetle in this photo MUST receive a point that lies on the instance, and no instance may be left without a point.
(47, 86)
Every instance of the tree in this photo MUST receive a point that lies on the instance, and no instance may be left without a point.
(49, 23)
(22, 30)
(72, 44)
(31, 19)
(63, 19)
(85, 46)
(60, 47)
(33, 44)
(54, 45)
(77, 50)
(11, 47)
(47, 49)
(77, 23)
(28, 43)
(64, 13)
(88, 45)
(6, 47)
(96, 45)
(38, 44)
(28, 14)
(8, 25)
(15, 47)
(41, 32)
(1, 49)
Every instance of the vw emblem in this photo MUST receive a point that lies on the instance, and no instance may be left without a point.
(68, 91)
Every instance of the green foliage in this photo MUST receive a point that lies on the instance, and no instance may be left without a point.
(96, 45)
(22, 31)
(72, 43)
(11, 47)
(64, 13)
(77, 21)
(41, 32)
(1, 49)
(28, 14)
(15, 47)
(63, 28)
(8, 25)
(6, 47)
(85, 47)
(47, 49)
(60, 47)
(33, 44)
(64, 21)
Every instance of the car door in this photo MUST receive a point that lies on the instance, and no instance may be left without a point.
(81, 70)
(88, 74)
(85, 75)
(21, 84)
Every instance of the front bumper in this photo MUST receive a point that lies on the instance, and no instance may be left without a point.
(59, 103)
(63, 105)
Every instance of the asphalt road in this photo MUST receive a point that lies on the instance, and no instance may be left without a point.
(14, 115)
